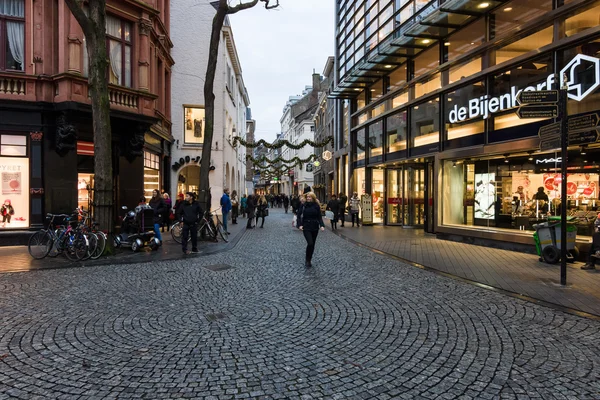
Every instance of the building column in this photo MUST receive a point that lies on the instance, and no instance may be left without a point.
(144, 55)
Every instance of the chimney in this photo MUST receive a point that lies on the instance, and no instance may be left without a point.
(316, 81)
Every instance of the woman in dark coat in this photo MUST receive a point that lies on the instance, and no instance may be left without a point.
(334, 207)
(250, 205)
(167, 215)
(160, 208)
(309, 224)
(261, 210)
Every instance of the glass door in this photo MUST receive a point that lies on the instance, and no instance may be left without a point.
(394, 197)
(414, 210)
(377, 195)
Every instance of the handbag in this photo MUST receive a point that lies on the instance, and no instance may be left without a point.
(329, 214)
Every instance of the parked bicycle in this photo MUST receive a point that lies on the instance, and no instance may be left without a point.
(207, 228)
(59, 238)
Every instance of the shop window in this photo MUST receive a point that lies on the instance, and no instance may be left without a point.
(377, 111)
(360, 184)
(465, 70)
(396, 132)
(525, 45)
(194, 125)
(13, 145)
(424, 128)
(376, 139)
(345, 127)
(407, 11)
(361, 100)
(376, 91)
(464, 41)
(517, 13)
(360, 144)
(397, 78)
(12, 35)
(584, 75)
(430, 85)
(400, 100)
(427, 61)
(85, 186)
(151, 173)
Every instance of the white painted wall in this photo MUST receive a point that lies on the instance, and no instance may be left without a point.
(190, 52)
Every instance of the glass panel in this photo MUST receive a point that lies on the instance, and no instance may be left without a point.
(415, 190)
(397, 78)
(426, 61)
(116, 75)
(346, 129)
(376, 139)
(425, 124)
(14, 183)
(405, 14)
(19, 140)
(113, 26)
(394, 197)
(359, 183)
(457, 104)
(400, 99)
(10, 150)
(467, 69)
(361, 100)
(128, 66)
(376, 90)
(464, 41)
(360, 144)
(14, 44)
(378, 110)
(377, 192)
(85, 185)
(396, 132)
(525, 45)
(518, 13)
(433, 84)
(127, 32)
(194, 125)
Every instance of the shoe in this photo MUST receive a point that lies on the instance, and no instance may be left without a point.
(186, 252)
(195, 251)
(308, 264)
(249, 227)
(262, 226)
(588, 266)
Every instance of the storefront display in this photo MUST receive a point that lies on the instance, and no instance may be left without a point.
(85, 186)
(14, 200)
(151, 173)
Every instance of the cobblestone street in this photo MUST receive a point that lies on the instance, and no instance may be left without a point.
(253, 322)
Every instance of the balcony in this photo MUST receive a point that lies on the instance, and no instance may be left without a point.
(17, 86)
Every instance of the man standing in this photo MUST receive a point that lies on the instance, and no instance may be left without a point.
(190, 212)
(225, 207)
(343, 201)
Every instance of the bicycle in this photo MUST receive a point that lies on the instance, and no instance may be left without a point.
(91, 228)
(208, 225)
(56, 240)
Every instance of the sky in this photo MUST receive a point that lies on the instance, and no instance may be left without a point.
(278, 50)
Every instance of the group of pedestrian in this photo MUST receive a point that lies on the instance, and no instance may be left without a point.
(278, 200)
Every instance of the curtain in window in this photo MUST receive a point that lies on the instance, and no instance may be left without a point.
(116, 62)
(12, 8)
(16, 40)
(127, 66)
(113, 26)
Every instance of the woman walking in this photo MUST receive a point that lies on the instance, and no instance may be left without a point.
(243, 204)
(354, 208)
(261, 210)
(250, 205)
(310, 223)
(235, 207)
(160, 208)
(334, 207)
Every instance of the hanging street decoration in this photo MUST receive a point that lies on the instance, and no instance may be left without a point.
(281, 143)
(263, 159)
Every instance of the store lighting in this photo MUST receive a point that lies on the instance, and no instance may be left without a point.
(388, 66)
(356, 90)
(583, 150)
(530, 155)
(426, 41)
(506, 158)
(508, 9)
(483, 5)
(447, 44)
(454, 164)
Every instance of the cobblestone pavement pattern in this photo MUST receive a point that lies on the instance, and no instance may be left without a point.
(358, 325)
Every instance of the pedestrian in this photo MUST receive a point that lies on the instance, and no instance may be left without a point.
(225, 207)
(167, 217)
(180, 200)
(190, 212)
(301, 201)
(334, 207)
(343, 201)
(310, 223)
(235, 207)
(295, 202)
(244, 203)
(354, 208)
(250, 205)
(160, 209)
(595, 249)
(286, 203)
(262, 210)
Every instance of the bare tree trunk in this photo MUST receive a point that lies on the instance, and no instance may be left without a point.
(94, 28)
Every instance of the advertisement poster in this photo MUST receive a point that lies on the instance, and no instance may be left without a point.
(367, 209)
(14, 192)
(485, 196)
(194, 125)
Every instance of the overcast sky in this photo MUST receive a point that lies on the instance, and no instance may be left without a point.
(278, 50)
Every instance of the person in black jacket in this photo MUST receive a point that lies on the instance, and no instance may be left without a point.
(334, 207)
(309, 224)
(160, 209)
(250, 206)
(261, 210)
(190, 212)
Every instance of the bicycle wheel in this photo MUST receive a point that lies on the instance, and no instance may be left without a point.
(58, 243)
(176, 231)
(92, 245)
(40, 244)
(101, 236)
(224, 235)
(77, 246)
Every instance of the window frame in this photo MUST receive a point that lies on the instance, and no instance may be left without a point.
(124, 43)
(4, 39)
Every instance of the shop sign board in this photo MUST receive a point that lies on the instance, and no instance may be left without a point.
(583, 137)
(550, 144)
(366, 203)
(538, 97)
(549, 130)
(544, 111)
(484, 106)
(583, 122)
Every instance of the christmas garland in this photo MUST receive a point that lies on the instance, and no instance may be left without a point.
(281, 143)
(263, 159)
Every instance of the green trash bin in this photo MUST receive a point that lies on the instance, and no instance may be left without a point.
(548, 243)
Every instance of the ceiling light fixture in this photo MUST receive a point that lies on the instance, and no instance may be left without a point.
(447, 44)
(356, 90)
(483, 5)
(583, 150)
(454, 164)
(388, 66)
(426, 41)
(530, 155)
(506, 158)
(508, 9)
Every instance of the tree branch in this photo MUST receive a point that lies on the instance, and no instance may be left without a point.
(245, 6)
(269, 6)
(76, 8)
